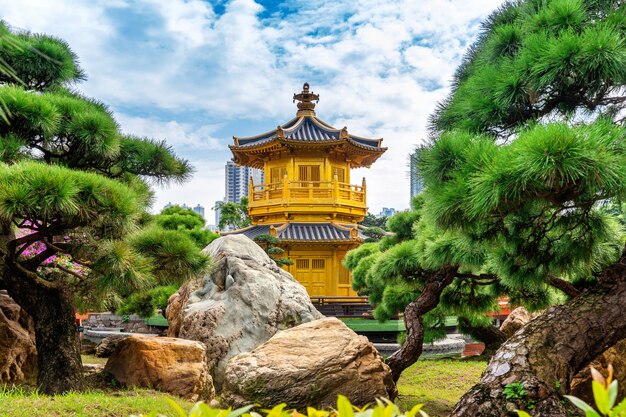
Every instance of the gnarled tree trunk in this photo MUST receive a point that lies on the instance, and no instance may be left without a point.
(550, 350)
(58, 353)
(411, 350)
(490, 335)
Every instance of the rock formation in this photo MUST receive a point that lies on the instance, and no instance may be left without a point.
(516, 320)
(18, 353)
(107, 346)
(171, 365)
(243, 302)
(309, 365)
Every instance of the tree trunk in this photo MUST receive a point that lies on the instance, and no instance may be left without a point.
(411, 350)
(490, 335)
(549, 351)
(58, 352)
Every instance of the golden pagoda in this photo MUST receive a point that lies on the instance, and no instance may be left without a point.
(307, 200)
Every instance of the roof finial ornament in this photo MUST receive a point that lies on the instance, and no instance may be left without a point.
(306, 100)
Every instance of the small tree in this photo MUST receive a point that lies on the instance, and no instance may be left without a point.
(372, 220)
(188, 222)
(234, 215)
(270, 244)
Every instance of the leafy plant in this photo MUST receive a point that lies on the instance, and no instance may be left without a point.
(604, 395)
(515, 391)
(383, 408)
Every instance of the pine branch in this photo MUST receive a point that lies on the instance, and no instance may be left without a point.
(563, 285)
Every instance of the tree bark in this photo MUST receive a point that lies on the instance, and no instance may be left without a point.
(411, 350)
(549, 351)
(58, 353)
(490, 335)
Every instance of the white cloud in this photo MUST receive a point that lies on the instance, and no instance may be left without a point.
(175, 133)
(380, 67)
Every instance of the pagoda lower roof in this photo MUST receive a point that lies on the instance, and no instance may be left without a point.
(302, 232)
(306, 129)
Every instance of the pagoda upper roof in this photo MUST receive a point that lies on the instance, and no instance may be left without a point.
(306, 129)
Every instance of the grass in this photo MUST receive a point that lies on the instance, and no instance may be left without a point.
(438, 384)
(93, 360)
(97, 403)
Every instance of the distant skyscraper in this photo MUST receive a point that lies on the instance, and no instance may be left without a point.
(417, 182)
(387, 212)
(237, 179)
(218, 212)
(199, 209)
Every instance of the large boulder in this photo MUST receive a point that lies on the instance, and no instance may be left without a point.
(18, 352)
(309, 365)
(167, 364)
(243, 302)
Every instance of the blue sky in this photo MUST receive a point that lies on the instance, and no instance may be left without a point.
(198, 72)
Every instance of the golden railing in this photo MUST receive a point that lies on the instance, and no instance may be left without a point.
(288, 190)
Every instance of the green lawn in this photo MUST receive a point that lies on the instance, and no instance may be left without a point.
(89, 404)
(93, 360)
(438, 384)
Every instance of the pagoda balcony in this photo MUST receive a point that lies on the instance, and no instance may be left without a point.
(295, 197)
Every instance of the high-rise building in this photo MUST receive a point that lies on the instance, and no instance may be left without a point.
(417, 182)
(237, 181)
(218, 212)
(387, 212)
(199, 209)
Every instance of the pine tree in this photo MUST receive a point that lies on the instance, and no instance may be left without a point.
(526, 151)
(73, 198)
(524, 154)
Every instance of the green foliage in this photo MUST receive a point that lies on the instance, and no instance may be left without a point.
(147, 303)
(344, 409)
(515, 391)
(234, 215)
(187, 222)
(402, 224)
(374, 233)
(270, 244)
(535, 59)
(371, 220)
(74, 191)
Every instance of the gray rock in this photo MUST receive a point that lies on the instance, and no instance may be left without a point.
(108, 346)
(243, 302)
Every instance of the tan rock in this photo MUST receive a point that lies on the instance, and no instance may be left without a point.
(516, 320)
(616, 355)
(309, 365)
(171, 365)
(18, 352)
